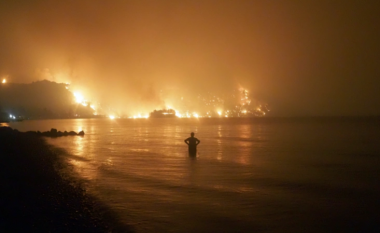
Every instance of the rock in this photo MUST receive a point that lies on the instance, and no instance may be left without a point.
(31, 132)
(72, 133)
(52, 133)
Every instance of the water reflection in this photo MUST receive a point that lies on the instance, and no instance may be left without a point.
(79, 145)
(82, 161)
(146, 169)
(245, 131)
(109, 162)
(193, 171)
(245, 145)
(219, 143)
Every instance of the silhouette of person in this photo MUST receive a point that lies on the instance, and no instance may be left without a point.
(192, 142)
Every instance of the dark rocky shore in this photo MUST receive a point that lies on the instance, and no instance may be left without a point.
(36, 197)
(55, 133)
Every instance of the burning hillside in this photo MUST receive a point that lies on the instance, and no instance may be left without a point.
(45, 99)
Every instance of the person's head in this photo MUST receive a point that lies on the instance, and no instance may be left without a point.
(192, 134)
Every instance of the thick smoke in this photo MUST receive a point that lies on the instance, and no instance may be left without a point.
(128, 55)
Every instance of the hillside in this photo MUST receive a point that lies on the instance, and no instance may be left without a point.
(39, 100)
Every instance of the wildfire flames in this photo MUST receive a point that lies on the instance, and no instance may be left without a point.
(238, 104)
(164, 103)
(79, 98)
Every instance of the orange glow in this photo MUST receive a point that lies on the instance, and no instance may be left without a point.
(4, 80)
(208, 106)
(78, 97)
(81, 100)
(4, 124)
(139, 116)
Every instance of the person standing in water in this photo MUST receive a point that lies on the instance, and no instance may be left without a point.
(192, 142)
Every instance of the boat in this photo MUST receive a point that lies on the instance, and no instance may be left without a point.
(164, 113)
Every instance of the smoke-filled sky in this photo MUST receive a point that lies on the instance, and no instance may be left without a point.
(302, 57)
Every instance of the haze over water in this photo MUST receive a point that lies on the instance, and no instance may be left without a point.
(250, 174)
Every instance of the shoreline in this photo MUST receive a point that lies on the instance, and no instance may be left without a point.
(37, 197)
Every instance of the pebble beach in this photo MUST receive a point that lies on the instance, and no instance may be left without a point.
(37, 196)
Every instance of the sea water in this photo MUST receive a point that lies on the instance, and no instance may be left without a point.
(249, 174)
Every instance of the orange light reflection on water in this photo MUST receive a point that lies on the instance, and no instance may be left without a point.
(219, 141)
(79, 146)
(83, 158)
(244, 144)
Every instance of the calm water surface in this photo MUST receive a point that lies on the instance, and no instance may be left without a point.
(250, 175)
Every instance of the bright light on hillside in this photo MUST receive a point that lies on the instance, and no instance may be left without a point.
(78, 97)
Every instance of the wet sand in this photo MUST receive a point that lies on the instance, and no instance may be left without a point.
(37, 197)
